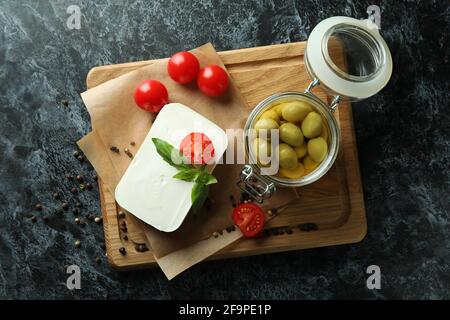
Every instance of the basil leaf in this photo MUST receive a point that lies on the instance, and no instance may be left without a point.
(198, 195)
(170, 155)
(187, 175)
(206, 178)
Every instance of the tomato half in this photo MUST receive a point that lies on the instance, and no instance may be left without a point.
(197, 148)
(151, 95)
(213, 80)
(250, 218)
(183, 67)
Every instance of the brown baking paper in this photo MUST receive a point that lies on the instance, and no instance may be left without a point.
(117, 121)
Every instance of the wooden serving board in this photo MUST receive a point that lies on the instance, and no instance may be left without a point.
(335, 203)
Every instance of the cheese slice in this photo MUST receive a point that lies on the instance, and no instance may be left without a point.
(147, 189)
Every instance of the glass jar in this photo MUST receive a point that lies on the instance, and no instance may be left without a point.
(363, 70)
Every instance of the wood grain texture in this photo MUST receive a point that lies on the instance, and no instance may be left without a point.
(335, 203)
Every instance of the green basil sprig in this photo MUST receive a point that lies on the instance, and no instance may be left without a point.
(186, 172)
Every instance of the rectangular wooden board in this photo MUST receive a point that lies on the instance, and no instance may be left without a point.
(335, 203)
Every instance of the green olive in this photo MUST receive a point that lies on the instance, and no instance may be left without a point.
(291, 134)
(278, 109)
(262, 150)
(288, 157)
(296, 173)
(301, 151)
(271, 114)
(295, 111)
(312, 125)
(317, 149)
(324, 133)
(265, 125)
(309, 164)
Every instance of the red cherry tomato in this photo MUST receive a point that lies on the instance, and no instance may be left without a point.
(151, 95)
(183, 67)
(197, 148)
(249, 218)
(213, 80)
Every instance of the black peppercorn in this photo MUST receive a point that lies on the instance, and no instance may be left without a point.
(79, 178)
(56, 195)
(98, 260)
(98, 220)
(38, 206)
(122, 251)
(89, 186)
(33, 219)
(65, 103)
(121, 214)
(76, 154)
(103, 246)
(45, 218)
(125, 237)
(80, 158)
(82, 186)
(69, 177)
(95, 177)
(74, 190)
(65, 205)
(114, 149)
(77, 243)
(78, 204)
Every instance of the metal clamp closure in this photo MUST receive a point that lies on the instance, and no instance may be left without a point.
(254, 185)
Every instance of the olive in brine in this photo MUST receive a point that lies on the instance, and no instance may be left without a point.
(265, 124)
(296, 173)
(287, 157)
(324, 133)
(312, 125)
(309, 164)
(262, 150)
(317, 149)
(291, 134)
(295, 111)
(301, 151)
(270, 114)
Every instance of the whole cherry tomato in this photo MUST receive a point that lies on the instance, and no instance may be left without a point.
(183, 67)
(151, 95)
(213, 80)
(250, 218)
(197, 148)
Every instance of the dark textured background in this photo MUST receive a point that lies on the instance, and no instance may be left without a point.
(403, 139)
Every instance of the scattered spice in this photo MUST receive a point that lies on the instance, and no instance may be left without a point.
(76, 154)
(230, 229)
(128, 153)
(95, 177)
(125, 237)
(77, 220)
(141, 248)
(89, 186)
(74, 190)
(45, 218)
(133, 143)
(82, 186)
(114, 149)
(38, 206)
(79, 178)
(244, 197)
(98, 220)
(64, 205)
(122, 251)
(103, 246)
(80, 158)
(78, 204)
(308, 226)
(69, 177)
(98, 260)
(77, 243)
(121, 214)
(65, 103)
(215, 234)
(33, 219)
(56, 196)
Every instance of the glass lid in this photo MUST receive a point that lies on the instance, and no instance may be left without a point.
(349, 57)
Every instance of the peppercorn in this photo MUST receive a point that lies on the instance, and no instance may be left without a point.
(33, 219)
(77, 243)
(69, 177)
(56, 196)
(98, 260)
(65, 205)
(74, 190)
(114, 149)
(89, 186)
(121, 214)
(38, 206)
(98, 220)
(122, 251)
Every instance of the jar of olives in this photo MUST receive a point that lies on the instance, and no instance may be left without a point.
(308, 139)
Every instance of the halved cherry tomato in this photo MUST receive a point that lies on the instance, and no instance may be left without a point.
(213, 80)
(197, 148)
(250, 218)
(151, 95)
(183, 67)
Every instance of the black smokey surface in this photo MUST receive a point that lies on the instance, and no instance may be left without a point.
(403, 140)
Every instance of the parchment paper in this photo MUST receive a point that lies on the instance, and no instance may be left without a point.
(117, 121)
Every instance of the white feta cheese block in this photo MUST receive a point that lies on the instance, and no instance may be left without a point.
(148, 189)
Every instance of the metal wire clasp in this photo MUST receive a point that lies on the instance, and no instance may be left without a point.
(334, 103)
(255, 185)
